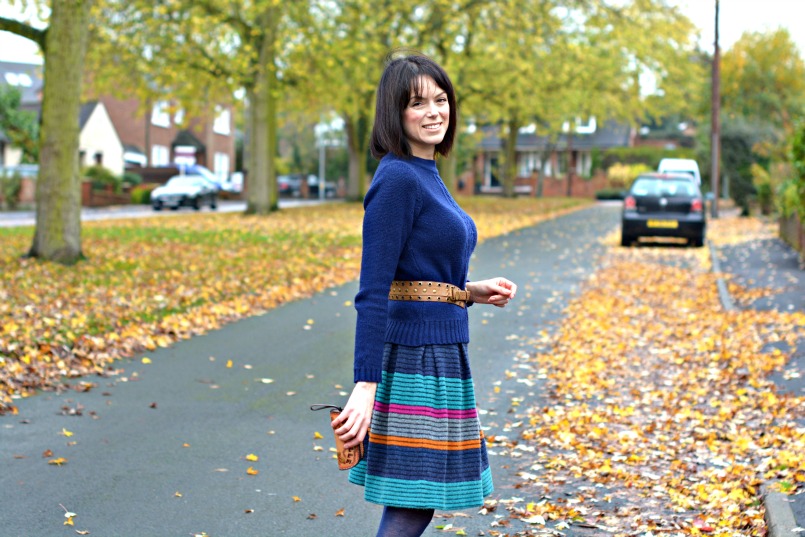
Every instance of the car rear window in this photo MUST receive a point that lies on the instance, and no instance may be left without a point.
(652, 186)
(184, 180)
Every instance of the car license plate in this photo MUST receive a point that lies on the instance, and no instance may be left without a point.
(668, 224)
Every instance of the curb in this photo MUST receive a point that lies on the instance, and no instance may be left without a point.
(723, 292)
(779, 516)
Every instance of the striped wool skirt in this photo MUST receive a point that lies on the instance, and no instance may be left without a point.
(425, 449)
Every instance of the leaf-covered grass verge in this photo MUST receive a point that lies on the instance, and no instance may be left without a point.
(149, 282)
(662, 418)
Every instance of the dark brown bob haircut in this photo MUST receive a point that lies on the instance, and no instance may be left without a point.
(401, 80)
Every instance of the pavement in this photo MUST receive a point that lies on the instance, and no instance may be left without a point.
(160, 448)
(773, 265)
(27, 217)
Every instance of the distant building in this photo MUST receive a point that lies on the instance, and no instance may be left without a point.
(98, 142)
(562, 153)
(156, 136)
(27, 78)
(123, 133)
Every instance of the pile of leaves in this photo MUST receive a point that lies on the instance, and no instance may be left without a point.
(661, 418)
(150, 282)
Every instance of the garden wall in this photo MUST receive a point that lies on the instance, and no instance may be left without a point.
(792, 231)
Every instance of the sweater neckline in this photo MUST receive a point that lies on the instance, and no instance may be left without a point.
(423, 163)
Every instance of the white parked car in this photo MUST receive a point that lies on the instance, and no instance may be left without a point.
(184, 191)
(681, 165)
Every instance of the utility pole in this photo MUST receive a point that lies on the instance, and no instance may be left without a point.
(715, 130)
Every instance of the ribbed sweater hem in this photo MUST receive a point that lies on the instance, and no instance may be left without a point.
(434, 332)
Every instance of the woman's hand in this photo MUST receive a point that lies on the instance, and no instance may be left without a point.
(353, 422)
(496, 291)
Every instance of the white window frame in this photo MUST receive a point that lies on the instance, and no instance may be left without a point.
(160, 114)
(528, 163)
(221, 166)
(160, 155)
(223, 118)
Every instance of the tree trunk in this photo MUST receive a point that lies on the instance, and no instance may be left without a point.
(510, 159)
(261, 193)
(58, 188)
(447, 169)
(571, 162)
(358, 145)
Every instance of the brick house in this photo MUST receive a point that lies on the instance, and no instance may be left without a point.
(563, 154)
(155, 136)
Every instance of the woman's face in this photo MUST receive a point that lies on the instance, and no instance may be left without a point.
(426, 118)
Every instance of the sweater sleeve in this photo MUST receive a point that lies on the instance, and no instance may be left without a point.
(390, 206)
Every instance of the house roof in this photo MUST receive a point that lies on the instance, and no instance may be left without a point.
(26, 77)
(186, 137)
(85, 113)
(131, 148)
(611, 134)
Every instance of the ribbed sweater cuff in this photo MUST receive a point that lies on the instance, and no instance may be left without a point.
(365, 374)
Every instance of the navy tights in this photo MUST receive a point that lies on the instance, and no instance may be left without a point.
(401, 522)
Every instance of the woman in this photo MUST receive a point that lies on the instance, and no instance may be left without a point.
(425, 449)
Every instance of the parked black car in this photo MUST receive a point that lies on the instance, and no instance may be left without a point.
(289, 185)
(663, 205)
(184, 190)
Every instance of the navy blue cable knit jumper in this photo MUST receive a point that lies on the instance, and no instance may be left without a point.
(412, 230)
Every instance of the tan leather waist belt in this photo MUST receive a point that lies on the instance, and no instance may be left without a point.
(428, 291)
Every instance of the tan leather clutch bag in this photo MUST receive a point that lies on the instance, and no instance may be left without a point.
(347, 458)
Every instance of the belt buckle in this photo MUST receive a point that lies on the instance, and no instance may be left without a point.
(456, 295)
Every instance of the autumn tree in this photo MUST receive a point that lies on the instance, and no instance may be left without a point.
(195, 52)
(21, 127)
(762, 99)
(546, 63)
(763, 79)
(58, 195)
(336, 65)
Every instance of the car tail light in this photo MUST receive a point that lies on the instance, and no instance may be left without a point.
(696, 206)
(629, 203)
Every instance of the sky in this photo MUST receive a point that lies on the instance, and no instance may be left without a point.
(735, 18)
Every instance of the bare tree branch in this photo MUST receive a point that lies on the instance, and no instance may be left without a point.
(25, 30)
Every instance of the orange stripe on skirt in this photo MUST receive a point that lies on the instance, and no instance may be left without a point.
(424, 442)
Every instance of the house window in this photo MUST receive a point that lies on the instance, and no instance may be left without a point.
(560, 164)
(222, 120)
(528, 163)
(584, 164)
(178, 117)
(160, 115)
(221, 166)
(160, 155)
(98, 158)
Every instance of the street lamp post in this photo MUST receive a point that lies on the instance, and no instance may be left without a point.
(715, 130)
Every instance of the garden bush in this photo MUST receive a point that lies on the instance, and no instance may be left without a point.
(10, 188)
(102, 177)
(141, 194)
(647, 155)
(621, 176)
(132, 179)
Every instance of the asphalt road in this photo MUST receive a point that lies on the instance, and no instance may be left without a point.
(88, 214)
(160, 448)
